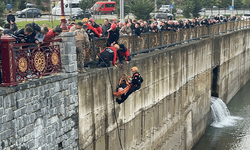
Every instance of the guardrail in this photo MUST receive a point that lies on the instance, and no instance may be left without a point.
(151, 41)
(26, 61)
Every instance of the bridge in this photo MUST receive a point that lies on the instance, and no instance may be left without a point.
(68, 110)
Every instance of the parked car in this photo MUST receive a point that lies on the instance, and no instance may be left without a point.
(103, 7)
(164, 8)
(179, 11)
(213, 16)
(245, 16)
(164, 16)
(80, 15)
(30, 12)
(215, 7)
(203, 9)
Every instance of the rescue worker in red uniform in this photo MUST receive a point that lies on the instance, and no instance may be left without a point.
(106, 55)
(136, 85)
(123, 52)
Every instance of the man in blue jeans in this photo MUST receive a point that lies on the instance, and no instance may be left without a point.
(136, 85)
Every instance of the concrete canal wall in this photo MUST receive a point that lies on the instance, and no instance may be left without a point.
(172, 108)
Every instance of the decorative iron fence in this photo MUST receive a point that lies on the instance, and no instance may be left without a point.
(150, 41)
(26, 61)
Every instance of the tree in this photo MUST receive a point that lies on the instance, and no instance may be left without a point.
(186, 6)
(2, 8)
(126, 9)
(86, 4)
(238, 4)
(206, 3)
(142, 9)
(21, 4)
(196, 8)
(191, 6)
(246, 3)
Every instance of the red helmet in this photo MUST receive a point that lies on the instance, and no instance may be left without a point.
(113, 26)
(91, 19)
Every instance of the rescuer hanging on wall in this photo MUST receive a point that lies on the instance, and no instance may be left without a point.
(136, 85)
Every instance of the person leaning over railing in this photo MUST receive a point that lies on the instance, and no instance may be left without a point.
(40, 35)
(36, 29)
(52, 34)
(96, 26)
(23, 35)
(126, 30)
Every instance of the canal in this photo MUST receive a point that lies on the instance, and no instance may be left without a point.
(232, 134)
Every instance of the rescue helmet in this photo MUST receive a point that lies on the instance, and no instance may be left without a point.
(113, 26)
(117, 46)
(134, 69)
(85, 20)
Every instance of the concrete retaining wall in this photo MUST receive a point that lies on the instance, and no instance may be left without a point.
(172, 109)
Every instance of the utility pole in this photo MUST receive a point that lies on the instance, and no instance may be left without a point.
(122, 11)
(155, 5)
(233, 7)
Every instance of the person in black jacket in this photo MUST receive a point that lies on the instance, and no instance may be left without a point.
(136, 84)
(113, 35)
(23, 35)
(137, 30)
(13, 26)
(7, 30)
(10, 17)
(36, 29)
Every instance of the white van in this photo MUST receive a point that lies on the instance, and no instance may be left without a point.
(70, 6)
(164, 8)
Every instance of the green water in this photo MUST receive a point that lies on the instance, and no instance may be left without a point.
(236, 137)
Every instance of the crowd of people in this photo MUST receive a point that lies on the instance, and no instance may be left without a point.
(88, 29)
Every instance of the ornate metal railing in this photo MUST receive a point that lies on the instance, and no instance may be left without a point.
(26, 61)
(150, 41)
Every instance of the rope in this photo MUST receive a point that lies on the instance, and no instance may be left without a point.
(118, 130)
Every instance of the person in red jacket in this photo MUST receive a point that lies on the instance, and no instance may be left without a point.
(123, 52)
(96, 26)
(106, 55)
(52, 34)
(92, 32)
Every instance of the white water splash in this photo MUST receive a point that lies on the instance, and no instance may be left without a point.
(221, 115)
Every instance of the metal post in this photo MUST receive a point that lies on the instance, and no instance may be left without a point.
(161, 39)
(63, 19)
(122, 11)
(148, 40)
(233, 9)
(134, 43)
(8, 62)
(155, 5)
(172, 37)
(181, 35)
(95, 54)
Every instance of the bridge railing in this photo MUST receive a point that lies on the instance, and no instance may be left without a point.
(26, 61)
(151, 41)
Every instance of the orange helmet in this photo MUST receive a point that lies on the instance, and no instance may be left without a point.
(85, 20)
(134, 69)
(117, 46)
